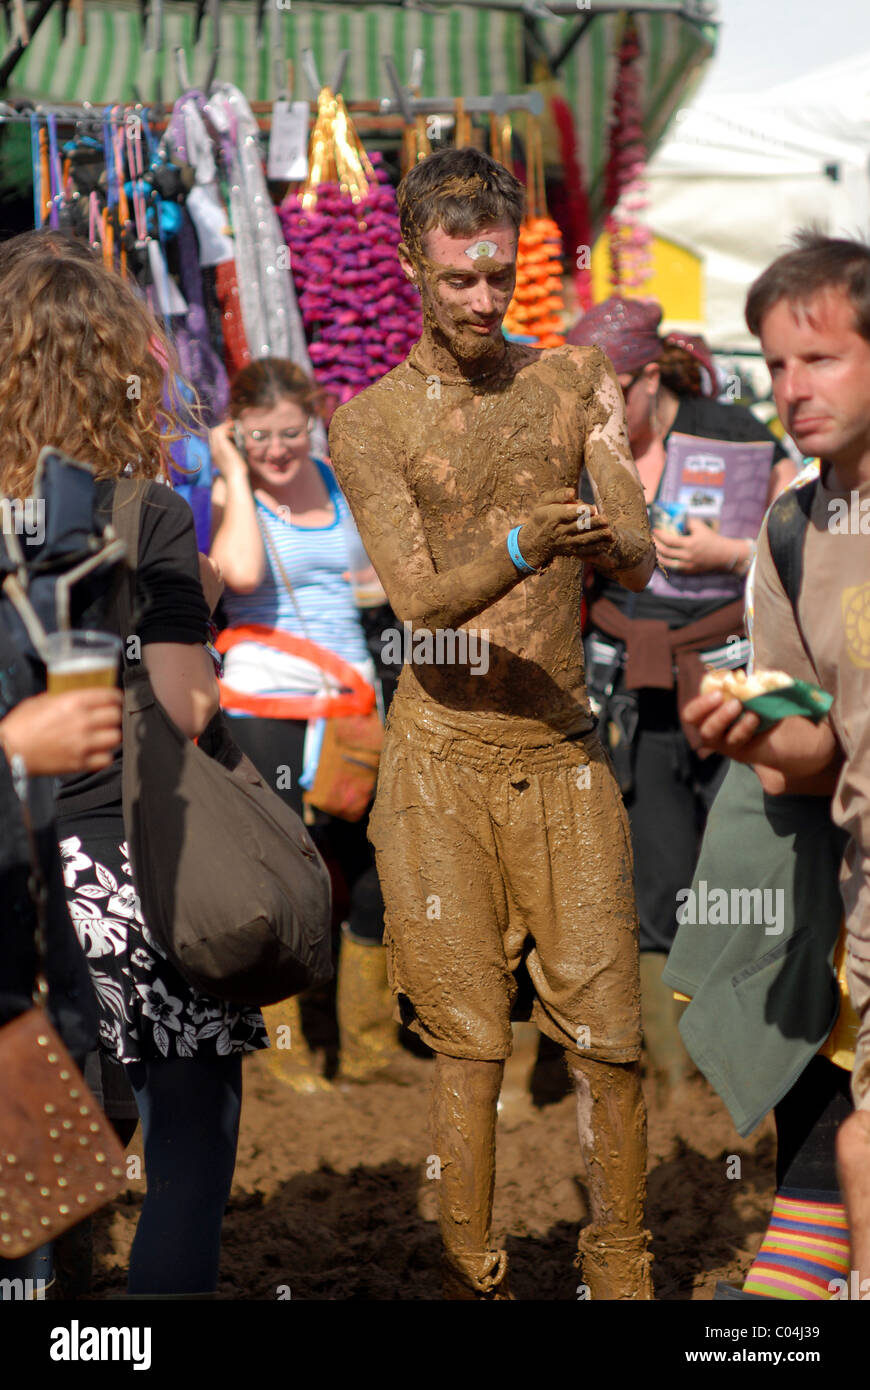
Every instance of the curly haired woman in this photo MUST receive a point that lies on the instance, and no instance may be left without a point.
(86, 368)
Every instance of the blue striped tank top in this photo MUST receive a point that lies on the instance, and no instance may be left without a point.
(315, 558)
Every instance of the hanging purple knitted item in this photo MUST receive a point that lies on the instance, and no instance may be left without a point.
(361, 315)
(199, 362)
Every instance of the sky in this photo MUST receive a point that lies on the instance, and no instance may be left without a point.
(762, 42)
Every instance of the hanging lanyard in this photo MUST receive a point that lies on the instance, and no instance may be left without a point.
(95, 221)
(163, 271)
(108, 239)
(123, 205)
(53, 170)
(149, 138)
(136, 160)
(137, 171)
(36, 169)
(108, 155)
(45, 173)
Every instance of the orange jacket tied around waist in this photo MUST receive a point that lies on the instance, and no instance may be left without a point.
(359, 698)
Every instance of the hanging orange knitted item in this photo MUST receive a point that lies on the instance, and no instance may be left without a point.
(537, 306)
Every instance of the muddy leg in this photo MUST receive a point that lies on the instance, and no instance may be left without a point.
(611, 1123)
(464, 1100)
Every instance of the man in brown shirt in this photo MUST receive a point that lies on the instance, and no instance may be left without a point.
(811, 309)
(500, 835)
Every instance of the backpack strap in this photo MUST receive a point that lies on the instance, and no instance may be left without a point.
(786, 528)
(126, 514)
(126, 509)
(787, 523)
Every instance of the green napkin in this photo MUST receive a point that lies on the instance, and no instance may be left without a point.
(798, 698)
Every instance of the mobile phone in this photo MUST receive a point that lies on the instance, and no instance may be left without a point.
(669, 516)
(239, 439)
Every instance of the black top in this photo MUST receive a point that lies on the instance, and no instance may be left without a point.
(708, 419)
(722, 420)
(72, 1005)
(170, 607)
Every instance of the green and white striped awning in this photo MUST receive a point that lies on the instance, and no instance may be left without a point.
(472, 49)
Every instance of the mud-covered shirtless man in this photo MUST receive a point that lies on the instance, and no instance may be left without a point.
(500, 835)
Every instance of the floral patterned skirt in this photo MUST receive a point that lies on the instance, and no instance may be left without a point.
(147, 1009)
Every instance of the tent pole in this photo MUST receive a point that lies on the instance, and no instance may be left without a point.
(400, 93)
(571, 42)
(534, 47)
(10, 59)
(309, 67)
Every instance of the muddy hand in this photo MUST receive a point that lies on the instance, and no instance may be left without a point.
(560, 525)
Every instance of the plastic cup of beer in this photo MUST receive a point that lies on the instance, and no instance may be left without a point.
(81, 660)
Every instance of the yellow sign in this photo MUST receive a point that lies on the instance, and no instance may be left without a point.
(677, 280)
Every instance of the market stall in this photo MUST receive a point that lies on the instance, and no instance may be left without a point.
(240, 162)
(472, 49)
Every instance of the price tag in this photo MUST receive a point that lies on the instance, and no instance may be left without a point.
(288, 141)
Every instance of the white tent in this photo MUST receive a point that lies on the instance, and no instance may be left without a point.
(739, 174)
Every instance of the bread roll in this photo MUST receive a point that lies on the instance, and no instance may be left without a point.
(737, 685)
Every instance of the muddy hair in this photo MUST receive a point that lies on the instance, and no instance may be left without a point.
(86, 365)
(816, 263)
(268, 381)
(459, 191)
(680, 371)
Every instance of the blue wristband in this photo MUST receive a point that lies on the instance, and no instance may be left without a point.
(513, 546)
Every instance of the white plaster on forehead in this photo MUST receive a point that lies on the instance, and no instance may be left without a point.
(481, 248)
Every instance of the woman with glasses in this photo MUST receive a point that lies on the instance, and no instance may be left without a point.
(285, 542)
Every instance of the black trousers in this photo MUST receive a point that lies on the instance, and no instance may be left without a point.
(275, 747)
(807, 1119)
(667, 810)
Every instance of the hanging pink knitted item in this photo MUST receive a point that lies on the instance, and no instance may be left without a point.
(625, 189)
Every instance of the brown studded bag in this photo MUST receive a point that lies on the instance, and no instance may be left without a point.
(59, 1158)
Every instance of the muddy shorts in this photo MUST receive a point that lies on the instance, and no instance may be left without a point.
(491, 856)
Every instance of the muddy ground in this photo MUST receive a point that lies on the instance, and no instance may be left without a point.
(331, 1198)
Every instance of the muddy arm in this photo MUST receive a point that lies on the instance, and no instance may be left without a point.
(616, 483)
(367, 464)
